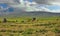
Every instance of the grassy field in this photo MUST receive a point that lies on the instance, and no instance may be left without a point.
(26, 26)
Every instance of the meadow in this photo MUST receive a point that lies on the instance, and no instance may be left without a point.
(30, 26)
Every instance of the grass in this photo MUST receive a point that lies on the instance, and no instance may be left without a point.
(24, 26)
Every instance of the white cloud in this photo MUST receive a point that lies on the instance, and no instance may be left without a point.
(55, 3)
(27, 7)
(43, 8)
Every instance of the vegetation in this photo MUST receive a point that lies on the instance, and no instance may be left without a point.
(28, 26)
(4, 20)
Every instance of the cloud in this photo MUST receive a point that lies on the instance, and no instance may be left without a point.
(38, 1)
(47, 8)
(46, 1)
(48, 5)
(51, 8)
(44, 5)
(9, 1)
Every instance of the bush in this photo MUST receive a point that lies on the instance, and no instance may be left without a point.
(33, 19)
(11, 35)
(11, 31)
(0, 21)
(1, 35)
(42, 31)
(43, 24)
(4, 20)
(56, 30)
(13, 25)
(20, 31)
(28, 31)
(22, 21)
(3, 31)
(16, 21)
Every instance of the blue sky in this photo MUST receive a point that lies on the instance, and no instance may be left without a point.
(4, 5)
(54, 7)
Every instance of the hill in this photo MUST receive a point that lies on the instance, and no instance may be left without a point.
(31, 14)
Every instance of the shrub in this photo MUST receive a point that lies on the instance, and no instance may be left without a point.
(13, 25)
(22, 21)
(42, 31)
(1, 35)
(4, 20)
(3, 31)
(0, 21)
(11, 35)
(43, 24)
(16, 21)
(11, 31)
(28, 31)
(56, 30)
(20, 31)
(33, 19)
(14, 31)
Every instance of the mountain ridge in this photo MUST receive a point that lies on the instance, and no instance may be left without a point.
(31, 14)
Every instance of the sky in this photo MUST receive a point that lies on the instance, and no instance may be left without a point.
(52, 5)
(3, 5)
(44, 5)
